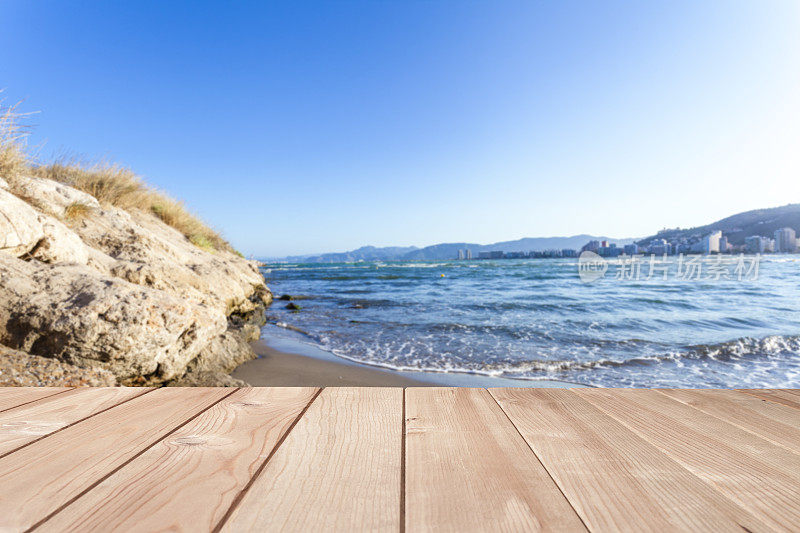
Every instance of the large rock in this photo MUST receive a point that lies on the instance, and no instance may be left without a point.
(54, 195)
(20, 227)
(150, 253)
(121, 291)
(59, 244)
(25, 231)
(81, 317)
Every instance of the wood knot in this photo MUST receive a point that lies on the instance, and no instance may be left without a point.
(205, 441)
(247, 404)
(190, 440)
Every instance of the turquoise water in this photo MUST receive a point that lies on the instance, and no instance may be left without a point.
(536, 320)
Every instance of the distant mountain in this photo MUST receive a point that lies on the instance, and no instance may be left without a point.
(762, 222)
(528, 244)
(365, 253)
(438, 252)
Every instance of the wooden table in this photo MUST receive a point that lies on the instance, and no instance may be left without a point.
(356, 459)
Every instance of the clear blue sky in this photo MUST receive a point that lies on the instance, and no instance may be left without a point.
(310, 127)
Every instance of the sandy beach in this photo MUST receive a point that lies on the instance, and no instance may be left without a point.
(286, 363)
(276, 368)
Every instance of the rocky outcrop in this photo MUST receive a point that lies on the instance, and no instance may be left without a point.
(213, 364)
(24, 370)
(120, 292)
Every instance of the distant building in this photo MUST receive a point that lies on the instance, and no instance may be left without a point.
(609, 251)
(567, 252)
(785, 240)
(711, 243)
(461, 255)
(496, 254)
(591, 246)
(756, 244)
(723, 244)
(631, 249)
(659, 247)
(468, 253)
(752, 244)
(483, 255)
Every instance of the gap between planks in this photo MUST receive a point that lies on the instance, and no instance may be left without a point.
(240, 496)
(13, 397)
(41, 416)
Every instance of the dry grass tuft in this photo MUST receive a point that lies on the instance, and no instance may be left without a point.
(120, 187)
(175, 214)
(110, 184)
(13, 159)
(77, 211)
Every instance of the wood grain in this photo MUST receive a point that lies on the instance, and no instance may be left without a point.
(348, 459)
(756, 474)
(783, 397)
(33, 421)
(204, 465)
(37, 480)
(11, 397)
(613, 478)
(468, 469)
(775, 422)
(338, 469)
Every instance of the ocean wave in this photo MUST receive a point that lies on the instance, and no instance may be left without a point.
(730, 351)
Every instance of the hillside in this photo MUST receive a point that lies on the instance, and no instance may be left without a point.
(762, 222)
(445, 251)
(365, 253)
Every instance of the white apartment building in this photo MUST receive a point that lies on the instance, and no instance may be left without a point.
(785, 240)
(711, 242)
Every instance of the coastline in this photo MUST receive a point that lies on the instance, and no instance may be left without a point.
(288, 363)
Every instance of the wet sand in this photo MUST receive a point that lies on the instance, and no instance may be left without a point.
(283, 363)
(276, 368)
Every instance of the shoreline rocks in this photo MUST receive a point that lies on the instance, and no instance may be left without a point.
(119, 293)
(19, 369)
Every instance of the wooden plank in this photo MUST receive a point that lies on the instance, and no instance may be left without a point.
(780, 396)
(614, 479)
(775, 422)
(758, 475)
(33, 421)
(468, 469)
(11, 397)
(338, 469)
(189, 480)
(37, 480)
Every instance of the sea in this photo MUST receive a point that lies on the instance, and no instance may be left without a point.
(698, 321)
